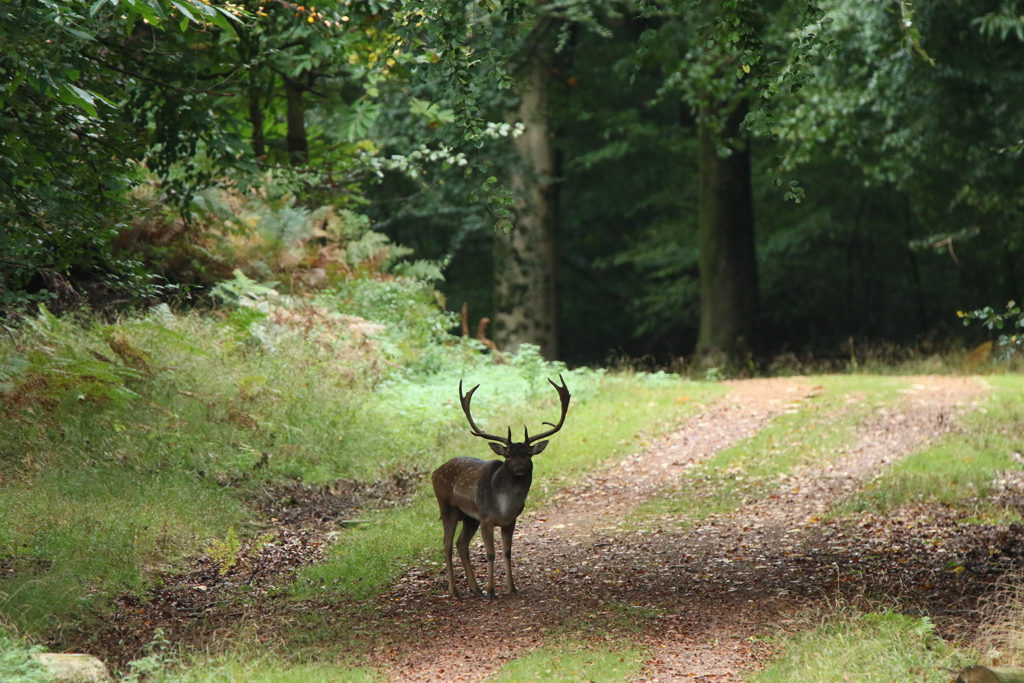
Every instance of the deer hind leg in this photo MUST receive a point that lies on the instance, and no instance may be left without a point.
(449, 518)
(506, 549)
(469, 527)
(487, 531)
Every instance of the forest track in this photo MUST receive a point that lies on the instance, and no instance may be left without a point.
(699, 598)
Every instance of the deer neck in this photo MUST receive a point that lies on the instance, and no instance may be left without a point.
(504, 498)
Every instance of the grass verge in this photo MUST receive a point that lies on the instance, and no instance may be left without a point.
(17, 664)
(814, 430)
(573, 661)
(873, 647)
(966, 469)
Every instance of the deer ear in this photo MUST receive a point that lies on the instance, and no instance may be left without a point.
(538, 447)
(498, 448)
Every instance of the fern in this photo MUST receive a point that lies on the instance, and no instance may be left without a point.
(227, 552)
(68, 363)
(422, 270)
(243, 291)
(375, 252)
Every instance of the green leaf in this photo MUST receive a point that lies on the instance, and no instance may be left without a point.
(76, 32)
(185, 11)
(70, 93)
(154, 14)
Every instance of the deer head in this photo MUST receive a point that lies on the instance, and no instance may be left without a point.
(485, 494)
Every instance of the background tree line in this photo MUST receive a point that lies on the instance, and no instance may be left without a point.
(601, 179)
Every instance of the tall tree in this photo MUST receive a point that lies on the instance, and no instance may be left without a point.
(730, 70)
(729, 295)
(526, 255)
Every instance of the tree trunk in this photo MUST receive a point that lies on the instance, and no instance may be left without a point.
(256, 118)
(729, 300)
(248, 51)
(525, 258)
(298, 145)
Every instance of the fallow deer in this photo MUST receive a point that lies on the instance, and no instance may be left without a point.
(488, 493)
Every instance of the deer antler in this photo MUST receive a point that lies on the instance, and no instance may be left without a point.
(563, 396)
(465, 401)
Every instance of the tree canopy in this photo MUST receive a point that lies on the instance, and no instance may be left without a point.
(737, 177)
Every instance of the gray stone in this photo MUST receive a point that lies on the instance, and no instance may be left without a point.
(73, 668)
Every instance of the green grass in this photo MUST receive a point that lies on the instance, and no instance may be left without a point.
(68, 536)
(573, 661)
(255, 668)
(611, 619)
(129, 446)
(874, 647)
(961, 468)
(817, 429)
(17, 664)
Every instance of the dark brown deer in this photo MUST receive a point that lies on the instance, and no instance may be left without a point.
(488, 493)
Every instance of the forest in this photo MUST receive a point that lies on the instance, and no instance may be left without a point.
(256, 259)
(736, 180)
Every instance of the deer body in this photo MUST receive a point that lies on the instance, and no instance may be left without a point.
(487, 493)
(486, 490)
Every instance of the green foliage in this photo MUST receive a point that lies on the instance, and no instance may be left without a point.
(62, 368)
(158, 656)
(68, 145)
(573, 662)
(415, 331)
(225, 552)
(1009, 342)
(870, 647)
(888, 120)
(1001, 23)
(16, 662)
(243, 292)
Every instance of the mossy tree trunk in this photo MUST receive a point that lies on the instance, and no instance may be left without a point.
(525, 258)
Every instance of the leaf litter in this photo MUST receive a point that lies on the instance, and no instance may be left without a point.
(703, 600)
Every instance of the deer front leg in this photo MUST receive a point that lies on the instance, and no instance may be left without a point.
(487, 531)
(469, 527)
(506, 549)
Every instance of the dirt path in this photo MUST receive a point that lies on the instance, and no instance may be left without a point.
(697, 598)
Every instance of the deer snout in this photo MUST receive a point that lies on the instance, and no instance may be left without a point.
(519, 467)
